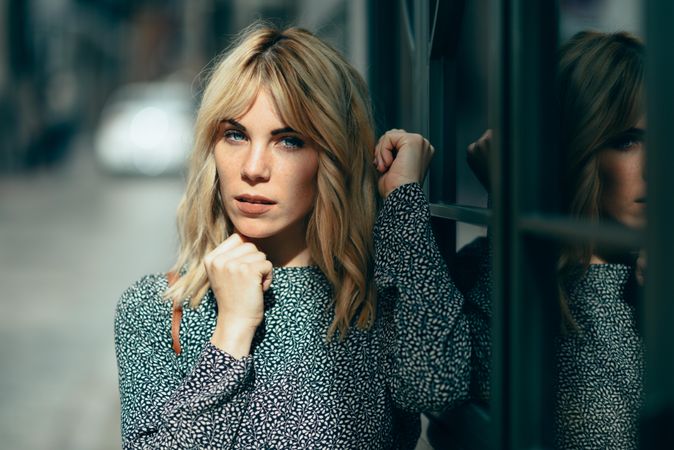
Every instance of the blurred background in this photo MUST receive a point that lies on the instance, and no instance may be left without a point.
(97, 99)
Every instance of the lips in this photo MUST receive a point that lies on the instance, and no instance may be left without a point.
(255, 199)
(253, 205)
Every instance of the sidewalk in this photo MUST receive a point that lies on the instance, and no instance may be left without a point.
(71, 241)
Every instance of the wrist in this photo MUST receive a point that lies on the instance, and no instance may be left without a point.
(234, 336)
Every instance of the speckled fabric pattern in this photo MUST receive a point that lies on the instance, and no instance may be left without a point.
(296, 389)
(600, 364)
(471, 271)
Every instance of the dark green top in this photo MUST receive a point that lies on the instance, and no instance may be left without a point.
(296, 389)
(601, 363)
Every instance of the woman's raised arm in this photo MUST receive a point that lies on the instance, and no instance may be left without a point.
(430, 349)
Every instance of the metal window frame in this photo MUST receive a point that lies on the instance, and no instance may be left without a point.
(525, 219)
(657, 310)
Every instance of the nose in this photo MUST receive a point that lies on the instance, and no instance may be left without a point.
(256, 167)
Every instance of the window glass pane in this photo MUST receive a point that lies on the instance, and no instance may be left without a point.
(461, 82)
(602, 154)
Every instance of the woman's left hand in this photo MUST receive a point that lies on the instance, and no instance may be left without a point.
(401, 158)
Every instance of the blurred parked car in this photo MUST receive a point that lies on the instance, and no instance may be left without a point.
(146, 128)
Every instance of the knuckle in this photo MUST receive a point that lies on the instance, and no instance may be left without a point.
(210, 261)
(219, 265)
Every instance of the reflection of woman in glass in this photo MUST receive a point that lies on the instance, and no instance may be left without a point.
(293, 327)
(602, 127)
(602, 131)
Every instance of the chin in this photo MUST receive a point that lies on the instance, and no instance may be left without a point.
(636, 223)
(254, 232)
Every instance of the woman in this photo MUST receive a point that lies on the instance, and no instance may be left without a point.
(298, 328)
(602, 130)
(602, 126)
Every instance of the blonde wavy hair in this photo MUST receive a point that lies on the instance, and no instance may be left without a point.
(321, 96)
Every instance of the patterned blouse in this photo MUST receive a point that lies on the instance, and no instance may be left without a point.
(297, 389)
(600, 364)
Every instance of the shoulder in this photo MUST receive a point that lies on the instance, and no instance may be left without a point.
(602, 302)
(600, 282)
(142, 300)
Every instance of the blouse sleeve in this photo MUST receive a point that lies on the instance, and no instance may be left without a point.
(161, 408)
(471, 270)
(430, 349)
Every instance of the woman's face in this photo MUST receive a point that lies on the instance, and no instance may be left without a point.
(621, 170)
(267, 173)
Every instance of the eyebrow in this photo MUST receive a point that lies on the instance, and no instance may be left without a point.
(273, 132)
(635, 130)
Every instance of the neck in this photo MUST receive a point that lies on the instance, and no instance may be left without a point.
(612, 256)
(286, 249)
(283, 255)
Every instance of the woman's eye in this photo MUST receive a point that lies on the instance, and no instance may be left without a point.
(291, 142)
(629, 140)
(626, 143)
(234, 136)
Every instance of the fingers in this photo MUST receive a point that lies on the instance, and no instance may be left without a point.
(266, 281)
(396, 140)
(386, 148)
(234, 257)
(641, 268)
(401, 158)
(483, 144)
(235, 251)
(477, 157)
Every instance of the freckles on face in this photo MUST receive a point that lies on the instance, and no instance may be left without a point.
(267, 173)
(621, 171)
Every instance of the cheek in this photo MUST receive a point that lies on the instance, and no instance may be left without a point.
(621, 179)
(610, 181)
(225, 169)
(619, 175)
(304, 178)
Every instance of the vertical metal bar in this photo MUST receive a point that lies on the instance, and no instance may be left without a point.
(499, 118)
(383, 55)
(528, 275)
(442, 177)
(442, 133)
(658, 307)
(421, 67)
